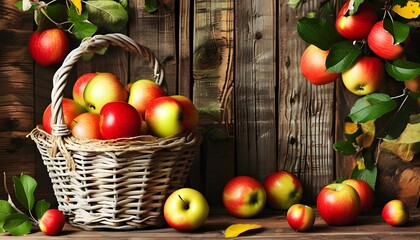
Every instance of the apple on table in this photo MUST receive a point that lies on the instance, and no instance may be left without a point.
(300, 217)
(365, 191)
(283, 189)
(395, 213)
(52, 222)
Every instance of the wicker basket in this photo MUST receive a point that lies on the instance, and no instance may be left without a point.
(112, 184)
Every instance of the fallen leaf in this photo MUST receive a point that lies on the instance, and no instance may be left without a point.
(409, 11)
(78, 5)
(235, 229)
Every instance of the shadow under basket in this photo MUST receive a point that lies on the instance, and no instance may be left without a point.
(119, 184)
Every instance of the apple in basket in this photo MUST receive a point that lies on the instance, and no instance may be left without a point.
(190, 112)
(86, 126)
(71, 109)
(79, 87)
(142, 92)
(102, 89)
(186, 209)
(52, 222)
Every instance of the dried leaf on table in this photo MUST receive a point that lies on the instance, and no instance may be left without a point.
(238, 228)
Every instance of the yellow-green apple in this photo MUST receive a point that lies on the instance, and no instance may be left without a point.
(313, 68)
(49, 46)
(142, 92)
(338, 204)
(395, 213)
(283, 190)
(190, 112)
(71, 109)
(243, 197)
(358, 25)
(413, 84)
(86, 126)
(186, 209)
(365, 76)
(119, 120)
(52, 222)
(101, 89)
(165, 117)
(79, 87)
(381, 42)
(366, 193)
(300, 217)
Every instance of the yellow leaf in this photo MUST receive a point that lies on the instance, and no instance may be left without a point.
(78, 5)
(235, 229)
(410, 10)
(361, 165)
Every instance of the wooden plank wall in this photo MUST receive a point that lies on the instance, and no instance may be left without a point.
(237, 60)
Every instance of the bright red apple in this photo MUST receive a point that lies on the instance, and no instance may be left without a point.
(142, 92)
(338, 204)
(86, 126)
(119, 120)
(313, 68)
(165, 117)
(52, 222)
(244, 197)
(49, 46)
(71, 109)
(381, 42)
(365, 76)
(366, 193)
(190, 112)
(395, 213)
(283, 189)
(300, 217)
(358, 25)
(79, 87)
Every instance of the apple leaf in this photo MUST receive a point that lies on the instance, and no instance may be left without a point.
(78, 5)
(108, 15)
(5, 210)
(235, 230)
(371, 106)
(17, 224)
(368, 129)
(319, 32)
(407, 9)
(41, 207)
(341, 56)
(366, 170)
(151, 5)
(402, 70)
(398, 30)
(25, 187)
(82, 28)
(344, 147)
(355, 6)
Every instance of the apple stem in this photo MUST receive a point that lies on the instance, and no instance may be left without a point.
(185, 204)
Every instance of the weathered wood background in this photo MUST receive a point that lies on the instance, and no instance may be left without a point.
(239, 62)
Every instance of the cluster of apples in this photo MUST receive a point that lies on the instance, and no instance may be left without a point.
(103, 108)
(367, 72)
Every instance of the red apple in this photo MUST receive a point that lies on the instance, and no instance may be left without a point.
(49, 46)
(366, 193)
(86, 126)
(190, 112)
(283, 190)
(358, 25)
(365, 76)
(71, 109)
(338, 204)
(52, 222)
(101, 89)
(312, 65)
(381, 42)
(300, 217)
(395, 213)
(244, 197)
(79, 87)
(165, 117)
(142, 92)
(119, 120)
(186, 209)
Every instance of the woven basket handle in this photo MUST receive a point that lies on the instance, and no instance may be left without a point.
(94, 45)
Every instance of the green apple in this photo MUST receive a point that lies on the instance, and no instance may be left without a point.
(283, 190)
(186, 209)
(102, 89)
(79, 87)
(165, 117)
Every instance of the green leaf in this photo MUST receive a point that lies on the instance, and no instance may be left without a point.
(18, 224)
(344, 147)
(341, 56)
(398, 30)
(402, 70)
(368, 172)
(41, 207)
(108, 15)
(82, 28)
(371, 106)
(151, 5)
(317, 31)
(355, 7)
(5, 210)
(25, 187)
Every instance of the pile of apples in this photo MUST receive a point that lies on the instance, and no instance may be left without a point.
(103, 108)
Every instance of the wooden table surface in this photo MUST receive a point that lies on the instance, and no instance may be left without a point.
(370, 226)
